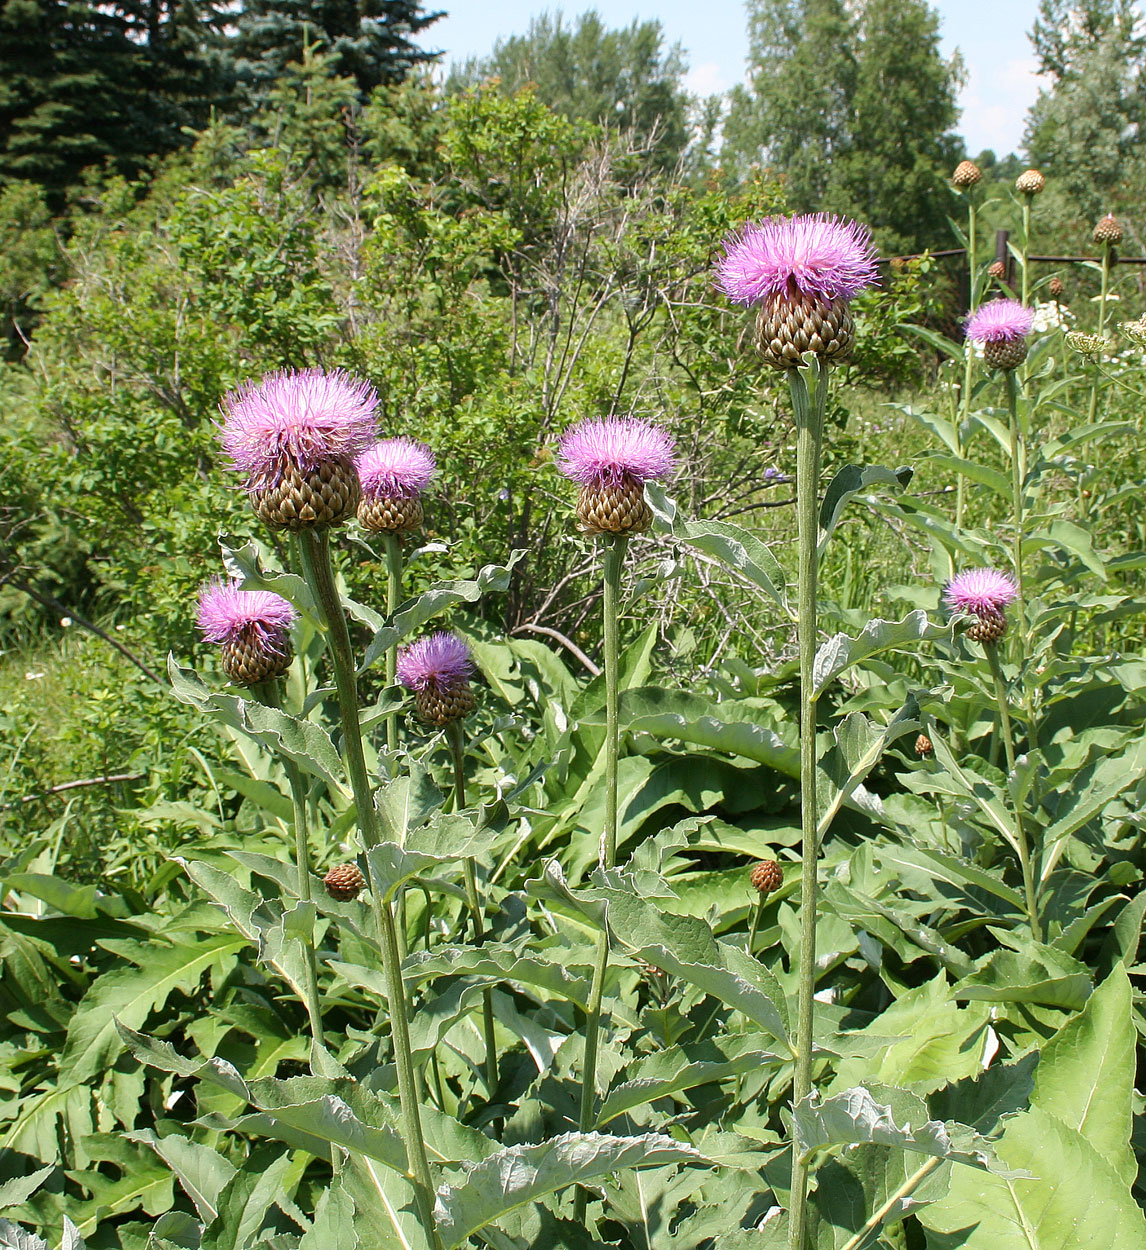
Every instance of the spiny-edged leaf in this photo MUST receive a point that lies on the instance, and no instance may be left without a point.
(304, 742)
(936, 1041)
(21, 1188)
(681, 945)
(130, 995)
(1039, 974)
(685, 1067)
(247, 1197)
(855, 1116)
(519, 1174)
(720, 726)
(334, 1220)
(1085, 1075)
(446, 838)
(416, 612)
(840, 652)
(741, 551)
(14, 1238)
(848, 483)
(556, 972)
(201, 1170)
(1073, 1198)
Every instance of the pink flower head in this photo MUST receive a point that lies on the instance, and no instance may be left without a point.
(816, 255)
(227, 613)
(439, 662)
(999, 321)
(981, 592)
(603, 451)
(396, 467)
(302, 418)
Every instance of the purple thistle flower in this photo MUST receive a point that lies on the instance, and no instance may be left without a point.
(302, 418)
(604, 451)
(980, 592)
(228, 613)
(439, 662)
(817, 255)
(396, 467)
(999, 321)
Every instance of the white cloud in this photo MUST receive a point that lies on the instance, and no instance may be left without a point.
(995, 104)
(706, 79)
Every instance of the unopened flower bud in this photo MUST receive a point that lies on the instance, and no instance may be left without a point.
(1030, 183)
(767, 876)
(344, 882)
(1108, 231)
(967, 174)
(1055, 288)
(923, 746)
(997, 269)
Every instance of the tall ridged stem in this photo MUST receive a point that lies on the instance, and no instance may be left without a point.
(393, 597)
(1026, 285)
(809, 414)
(968, 355)
(319, 1063)
(1018, 485)
(457, 750)
(319, 573)
(614, 545)
(1029, 888)
(1096, 370)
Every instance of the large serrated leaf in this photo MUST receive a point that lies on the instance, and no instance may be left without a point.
(848, 483)
(512, 1177)
(840, 652)
(444, 839)
(304, 742)
(437, 599)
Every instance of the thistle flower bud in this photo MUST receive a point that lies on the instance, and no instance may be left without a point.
(1086, 344)
(1055, 288)
(923, 746)
(612, 459)
(802, 272)
(967, 174)
(294, 437)
(982, 594)
(1030, 183)
(394, 473)
(438, 669)
(767, 876)
(997, 269)
(1001, 326)
(344, 882)
(251, 627)
(1108, 232)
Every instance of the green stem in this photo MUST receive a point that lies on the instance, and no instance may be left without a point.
(457, 750)
(1026, 250)
(320, 1063)
(968, 358)
(1018, 485)
(809, 414)
(614, 545)
(757, 912)
(393, 599)
(319, 573)
(1029, 887)
(1092, 410)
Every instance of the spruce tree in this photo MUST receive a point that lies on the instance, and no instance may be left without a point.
(371, 41)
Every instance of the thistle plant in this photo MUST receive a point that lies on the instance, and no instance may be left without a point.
(295, 437)
(610, 459)
(984, 595)
(1107, 234)
(1028, 185)
(802, 273)
(965, 179)
(394, 474)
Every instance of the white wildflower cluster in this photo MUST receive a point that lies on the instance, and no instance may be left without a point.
(1051, 316)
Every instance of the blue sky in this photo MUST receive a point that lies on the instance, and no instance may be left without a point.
(991, 34)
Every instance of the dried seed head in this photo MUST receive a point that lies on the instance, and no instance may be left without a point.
(923, 746)
(1108, 232)
(1030, 183)
(767, 876)
(1086, 344)
(1055, 288)
(1135, 331)
(345, 882)
(967, 174)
